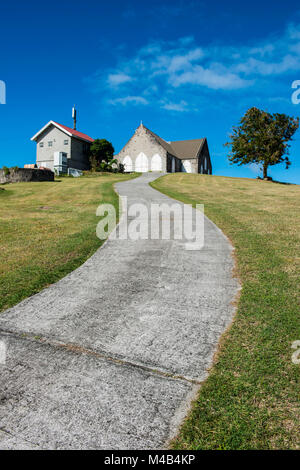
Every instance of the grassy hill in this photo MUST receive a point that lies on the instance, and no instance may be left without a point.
(251, 399)
(48, 229)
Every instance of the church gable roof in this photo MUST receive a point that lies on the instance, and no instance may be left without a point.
(183, 149)
(188, 148)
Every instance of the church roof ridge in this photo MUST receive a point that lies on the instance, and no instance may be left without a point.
(161, 141)
(182, 149)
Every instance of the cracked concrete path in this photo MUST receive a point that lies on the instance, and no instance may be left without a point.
(111, 356)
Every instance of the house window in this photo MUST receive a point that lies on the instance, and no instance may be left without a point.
(41, 144)
(66, 142)
(50, 143)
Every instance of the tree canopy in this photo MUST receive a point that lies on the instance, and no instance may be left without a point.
(102, 150)
(262, 138)
(102, 155)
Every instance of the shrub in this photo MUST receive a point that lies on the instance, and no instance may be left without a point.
(102, 150)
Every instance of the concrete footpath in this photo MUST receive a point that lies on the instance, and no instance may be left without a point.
(111, 356)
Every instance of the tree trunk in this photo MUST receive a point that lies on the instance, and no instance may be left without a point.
(265, 170)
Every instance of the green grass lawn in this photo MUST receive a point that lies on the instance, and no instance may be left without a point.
(251, 398)
(47, 230)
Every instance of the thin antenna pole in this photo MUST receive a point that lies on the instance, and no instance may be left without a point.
(74, 116)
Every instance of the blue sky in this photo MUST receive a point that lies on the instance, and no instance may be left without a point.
(187, 69)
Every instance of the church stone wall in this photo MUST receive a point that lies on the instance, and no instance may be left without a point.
(143, 142)
(139, 151)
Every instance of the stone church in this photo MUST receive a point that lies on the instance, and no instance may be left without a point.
(146, 151)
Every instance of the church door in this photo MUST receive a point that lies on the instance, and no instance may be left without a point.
(141, 163)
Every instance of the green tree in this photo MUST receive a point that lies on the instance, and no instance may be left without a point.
(262, 138)
(102, 155)
(94, 165)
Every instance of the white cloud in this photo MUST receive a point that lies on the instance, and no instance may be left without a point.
(136, 100)
(258, 67)
(186, 40)
(293, 31)
(210, 78)
(181, 62)
(295, 48)
(179, 107)
(262, 50)
(173, 74)
(116, 79)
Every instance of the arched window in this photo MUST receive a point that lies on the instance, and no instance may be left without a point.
(141, 163)
(127, 162)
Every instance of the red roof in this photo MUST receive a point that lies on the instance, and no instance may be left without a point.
(78, 134)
